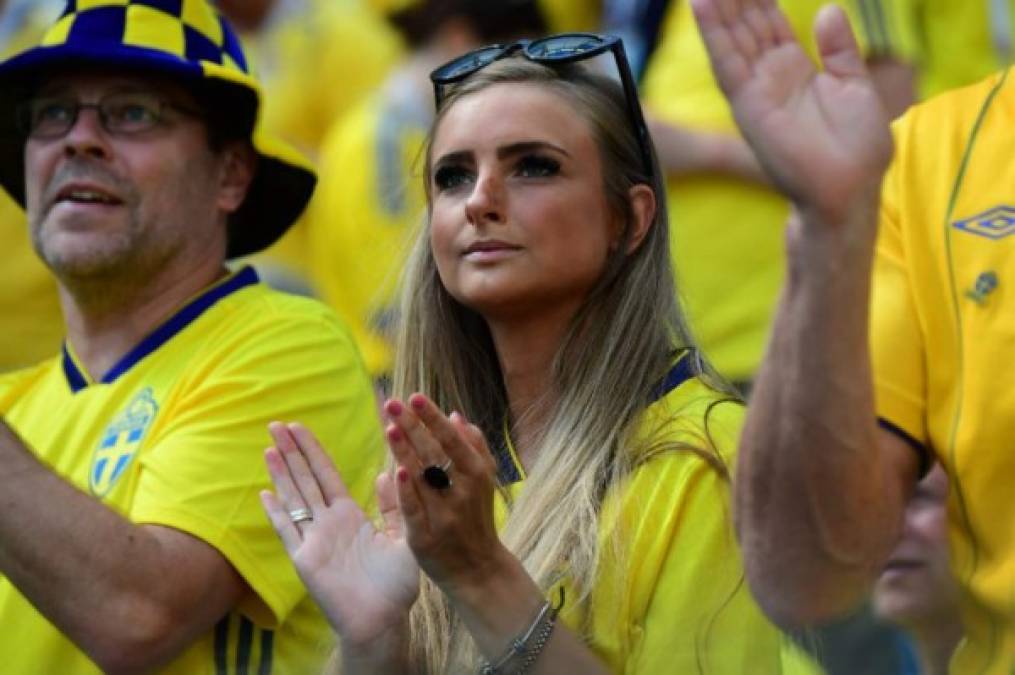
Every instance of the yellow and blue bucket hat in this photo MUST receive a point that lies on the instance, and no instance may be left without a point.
(187, 41)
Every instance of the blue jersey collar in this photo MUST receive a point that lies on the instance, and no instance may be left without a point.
(77, 379)
(508, 469)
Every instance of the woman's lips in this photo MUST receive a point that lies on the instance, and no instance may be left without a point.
(489, 251)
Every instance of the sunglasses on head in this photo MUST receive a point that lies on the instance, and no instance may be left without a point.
(553, 50)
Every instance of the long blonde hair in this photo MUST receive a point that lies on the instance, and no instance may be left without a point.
(618, 347)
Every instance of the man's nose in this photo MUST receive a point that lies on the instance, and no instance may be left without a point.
(86, 135)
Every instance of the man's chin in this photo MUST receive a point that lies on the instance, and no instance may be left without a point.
(82, 264)
(82, 253)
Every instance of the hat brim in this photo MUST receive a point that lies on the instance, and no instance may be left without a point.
(282, 185)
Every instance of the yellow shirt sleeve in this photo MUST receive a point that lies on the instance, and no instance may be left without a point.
(887, 27)
(368, 205)
(897, 346)
(205, 470)
(685, 606)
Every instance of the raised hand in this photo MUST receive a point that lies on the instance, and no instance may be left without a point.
(822, 136)
(364, 579)
(451, 531)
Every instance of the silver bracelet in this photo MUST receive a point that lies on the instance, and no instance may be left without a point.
(541, 628)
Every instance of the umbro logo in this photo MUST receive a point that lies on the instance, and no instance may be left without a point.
(995, 223)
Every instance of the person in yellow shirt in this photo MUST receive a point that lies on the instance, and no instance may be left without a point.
(593, 481)
(727, 221)
(316, 60)
(131, 537)
(890, 342)
(31, 325)
(952, 42)
(370, 200)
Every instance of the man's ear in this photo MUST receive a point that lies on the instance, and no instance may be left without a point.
(236, 172)
(643, 213)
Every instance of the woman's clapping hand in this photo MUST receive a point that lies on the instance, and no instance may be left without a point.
(365, 578)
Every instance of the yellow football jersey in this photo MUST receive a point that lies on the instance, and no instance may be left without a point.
(672, 598)
(726, 233)
(957, 42)
(31, 325)
(174, 434)
(368, 205)
(942, 327)
(316, 60)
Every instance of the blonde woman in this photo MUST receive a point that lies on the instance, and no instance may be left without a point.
(583, 471)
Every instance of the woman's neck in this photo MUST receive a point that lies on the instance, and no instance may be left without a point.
(526, 351)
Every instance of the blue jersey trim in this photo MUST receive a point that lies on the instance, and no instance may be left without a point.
(508, 471)
(75, 379)
(681, 372)
(922, 454)
(267, 652)
(221, 649)
(164, 333)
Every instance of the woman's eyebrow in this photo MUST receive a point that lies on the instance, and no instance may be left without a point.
(522, 147)
(509, 150)
(456, 157)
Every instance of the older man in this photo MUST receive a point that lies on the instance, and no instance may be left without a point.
(131, 535)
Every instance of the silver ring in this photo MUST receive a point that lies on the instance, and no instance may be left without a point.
(301, 515)
(437, 476)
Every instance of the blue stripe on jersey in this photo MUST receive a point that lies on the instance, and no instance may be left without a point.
(221, 645)
(243, 646)
(267, 647)
(922, 453)
(161, 335)
(681, 372)
(75, 378)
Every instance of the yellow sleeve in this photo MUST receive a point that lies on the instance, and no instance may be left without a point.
(367, 207)
(205, 469)
(29, 302)
(701, 614)
(897, 344)
(678, 85)
(328, 43)
(886, 27)
(686, 607)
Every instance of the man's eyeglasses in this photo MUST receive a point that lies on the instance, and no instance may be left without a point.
(122, 113)
(555, 49)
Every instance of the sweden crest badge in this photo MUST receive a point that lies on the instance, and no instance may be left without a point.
(120, 442)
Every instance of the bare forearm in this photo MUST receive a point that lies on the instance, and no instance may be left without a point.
(685, 152)
(387, 654)
(503, 608)
(102, 580)
(818, 505)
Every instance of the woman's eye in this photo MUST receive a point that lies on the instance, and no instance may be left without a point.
(449, 177)
(534, 166)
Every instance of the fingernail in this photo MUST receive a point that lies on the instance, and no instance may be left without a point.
(394, 408)
(403, 474)
(417, 402)
(394, 435)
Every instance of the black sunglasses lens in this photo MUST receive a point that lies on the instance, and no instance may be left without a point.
(563, 47)
(464, 65)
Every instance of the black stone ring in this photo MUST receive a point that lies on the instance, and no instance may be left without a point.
(437, 476)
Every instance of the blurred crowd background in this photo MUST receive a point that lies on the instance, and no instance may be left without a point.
(346, 82)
